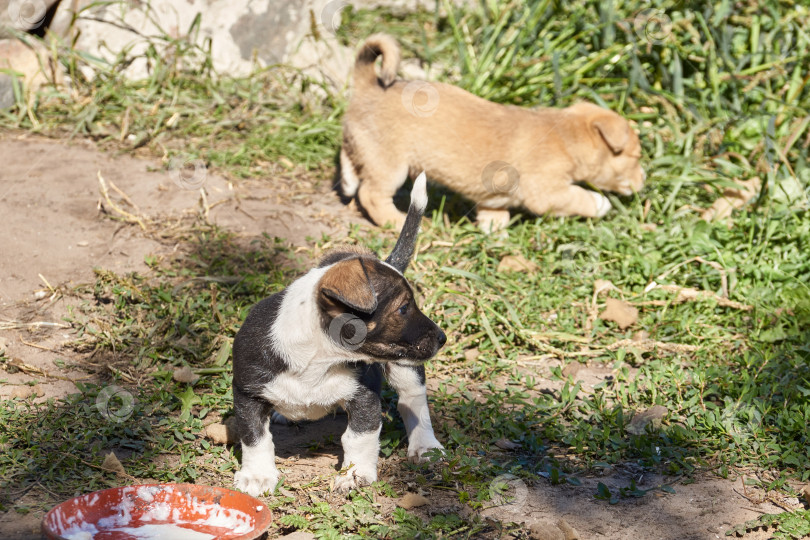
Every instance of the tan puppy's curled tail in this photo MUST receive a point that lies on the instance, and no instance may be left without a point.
(374, 46)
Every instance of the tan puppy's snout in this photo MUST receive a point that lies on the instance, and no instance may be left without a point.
(634, 184)
(637, 179)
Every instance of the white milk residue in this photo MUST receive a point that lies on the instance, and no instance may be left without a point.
(164, 531)
(238, 522)
(123, 518)
(85, 532)
(147, 493)
(234, 521)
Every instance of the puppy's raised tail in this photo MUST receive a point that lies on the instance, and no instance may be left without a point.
(406, 243)
(374, 46)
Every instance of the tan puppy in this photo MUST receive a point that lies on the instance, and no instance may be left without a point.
(498, 156)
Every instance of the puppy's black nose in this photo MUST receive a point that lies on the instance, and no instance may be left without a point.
(442, 338)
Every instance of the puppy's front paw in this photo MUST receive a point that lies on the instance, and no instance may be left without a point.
(256, 482)
(603, 205)
(354, 478)
(493, 221)
(419, 446)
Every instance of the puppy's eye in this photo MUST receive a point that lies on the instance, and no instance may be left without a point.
(403, 309)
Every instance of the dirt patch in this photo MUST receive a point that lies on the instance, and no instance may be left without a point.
(58, 228)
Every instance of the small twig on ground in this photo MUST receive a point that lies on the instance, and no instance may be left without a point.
(28, 369)
(106, 194)
(46, 283)
(717, 266)
(651, 344)
(124, 196)
(14, 325)
(37, 346)
(124, 375)
(204, 203)
(690, 293)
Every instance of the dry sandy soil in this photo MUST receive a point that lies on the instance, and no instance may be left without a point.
(54, 234)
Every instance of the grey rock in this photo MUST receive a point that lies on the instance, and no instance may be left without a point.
(31, 64)
(243, 34)
(6, 91)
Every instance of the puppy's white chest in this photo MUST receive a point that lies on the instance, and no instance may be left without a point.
(311, 395)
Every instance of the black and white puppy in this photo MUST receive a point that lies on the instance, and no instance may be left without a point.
(326, 341)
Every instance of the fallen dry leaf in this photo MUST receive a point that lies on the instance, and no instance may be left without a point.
(652, 416)
(569, 532)
(571, 369)
(602, 285)
(732, 199)
(619, 312)
(412, 500)
(21, 392)
(185, 375)
(641, 335)
(545, 530)
(506, 444)
(111, 464)
(516, 263)
(222, 433)
(26, 391)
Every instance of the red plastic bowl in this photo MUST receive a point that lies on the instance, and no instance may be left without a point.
(158, 511)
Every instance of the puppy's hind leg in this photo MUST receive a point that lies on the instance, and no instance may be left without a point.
(377, 190)
(348, 176)
(258, 473)
(409, 382)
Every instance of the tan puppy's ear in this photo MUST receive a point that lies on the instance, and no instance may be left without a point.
(347, 282)
(614, 130)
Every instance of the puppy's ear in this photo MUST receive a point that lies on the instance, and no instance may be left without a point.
(614, 130)
(347, 282)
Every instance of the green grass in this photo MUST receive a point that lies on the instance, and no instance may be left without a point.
(721, 96)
